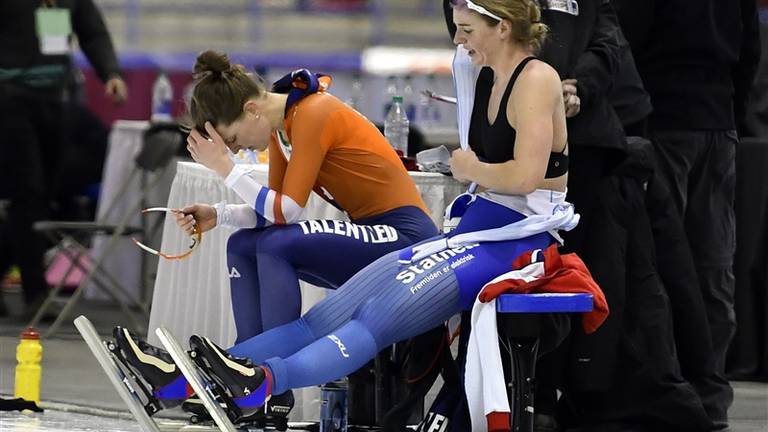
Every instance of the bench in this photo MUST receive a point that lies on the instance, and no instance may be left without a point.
(519, 319)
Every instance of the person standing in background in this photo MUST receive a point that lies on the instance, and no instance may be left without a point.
(697, 61)
(36, 43)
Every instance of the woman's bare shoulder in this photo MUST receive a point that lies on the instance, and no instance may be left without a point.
(540, 76)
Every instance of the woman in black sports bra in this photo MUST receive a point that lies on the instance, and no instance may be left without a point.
(518, 117)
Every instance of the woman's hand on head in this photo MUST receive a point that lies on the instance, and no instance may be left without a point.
(211, 152)
(202, 215)
(463, 164)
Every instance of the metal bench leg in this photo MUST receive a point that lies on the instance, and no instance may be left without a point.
(383, 384)
(524, 352)
(520, 337)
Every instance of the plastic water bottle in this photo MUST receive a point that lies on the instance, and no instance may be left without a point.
(429, 112)
(396, 126)
(29, 354)
(408, 97)
(333, 408)
(162, 97)
(390, 91)
(356, 92)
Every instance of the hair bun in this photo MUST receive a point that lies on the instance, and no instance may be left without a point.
(211, 62)
(539, 33)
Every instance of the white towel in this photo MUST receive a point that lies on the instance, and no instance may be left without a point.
(563, 217)
(464, 78)
(484, 381)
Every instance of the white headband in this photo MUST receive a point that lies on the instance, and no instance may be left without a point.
(481, 10)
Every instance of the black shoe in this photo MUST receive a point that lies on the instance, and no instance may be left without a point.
(247, 386)
(545, 423)
(154, 365)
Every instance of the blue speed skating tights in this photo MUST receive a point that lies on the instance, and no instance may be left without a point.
(386, 302)
(265, 265)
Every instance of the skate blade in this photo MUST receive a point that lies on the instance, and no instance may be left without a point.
(151, 403)
(195, 379)
(120, 381)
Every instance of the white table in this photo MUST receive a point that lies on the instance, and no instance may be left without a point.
(192, 296)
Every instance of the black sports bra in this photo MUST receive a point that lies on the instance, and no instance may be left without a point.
(495, 143)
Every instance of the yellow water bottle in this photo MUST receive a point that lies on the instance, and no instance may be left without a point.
(29, 354)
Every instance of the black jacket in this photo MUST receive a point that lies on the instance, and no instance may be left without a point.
(755, 122)
(20, 47)
(697, 58)
(587, 47)
(629, 98)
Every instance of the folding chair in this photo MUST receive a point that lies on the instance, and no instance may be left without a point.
(160, 143)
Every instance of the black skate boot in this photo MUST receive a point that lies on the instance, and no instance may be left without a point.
(155, 367)
(244, 387)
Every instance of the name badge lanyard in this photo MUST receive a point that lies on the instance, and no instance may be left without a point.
(54, 28)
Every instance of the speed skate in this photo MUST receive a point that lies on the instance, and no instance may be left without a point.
(134, 394)
(137, 394)
(196, 378)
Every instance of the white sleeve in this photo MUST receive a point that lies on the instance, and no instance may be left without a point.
(235, 215)
(261, 199)
(465, 75)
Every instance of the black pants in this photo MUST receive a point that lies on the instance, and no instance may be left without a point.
(700, 170)
(589, 166)
(30, 135)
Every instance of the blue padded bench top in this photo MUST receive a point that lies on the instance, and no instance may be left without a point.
(544, 302)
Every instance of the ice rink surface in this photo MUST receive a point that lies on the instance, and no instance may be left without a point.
(62, 419)
(77, 395)
(53, 420)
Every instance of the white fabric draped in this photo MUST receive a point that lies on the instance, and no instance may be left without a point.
(464, 78)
